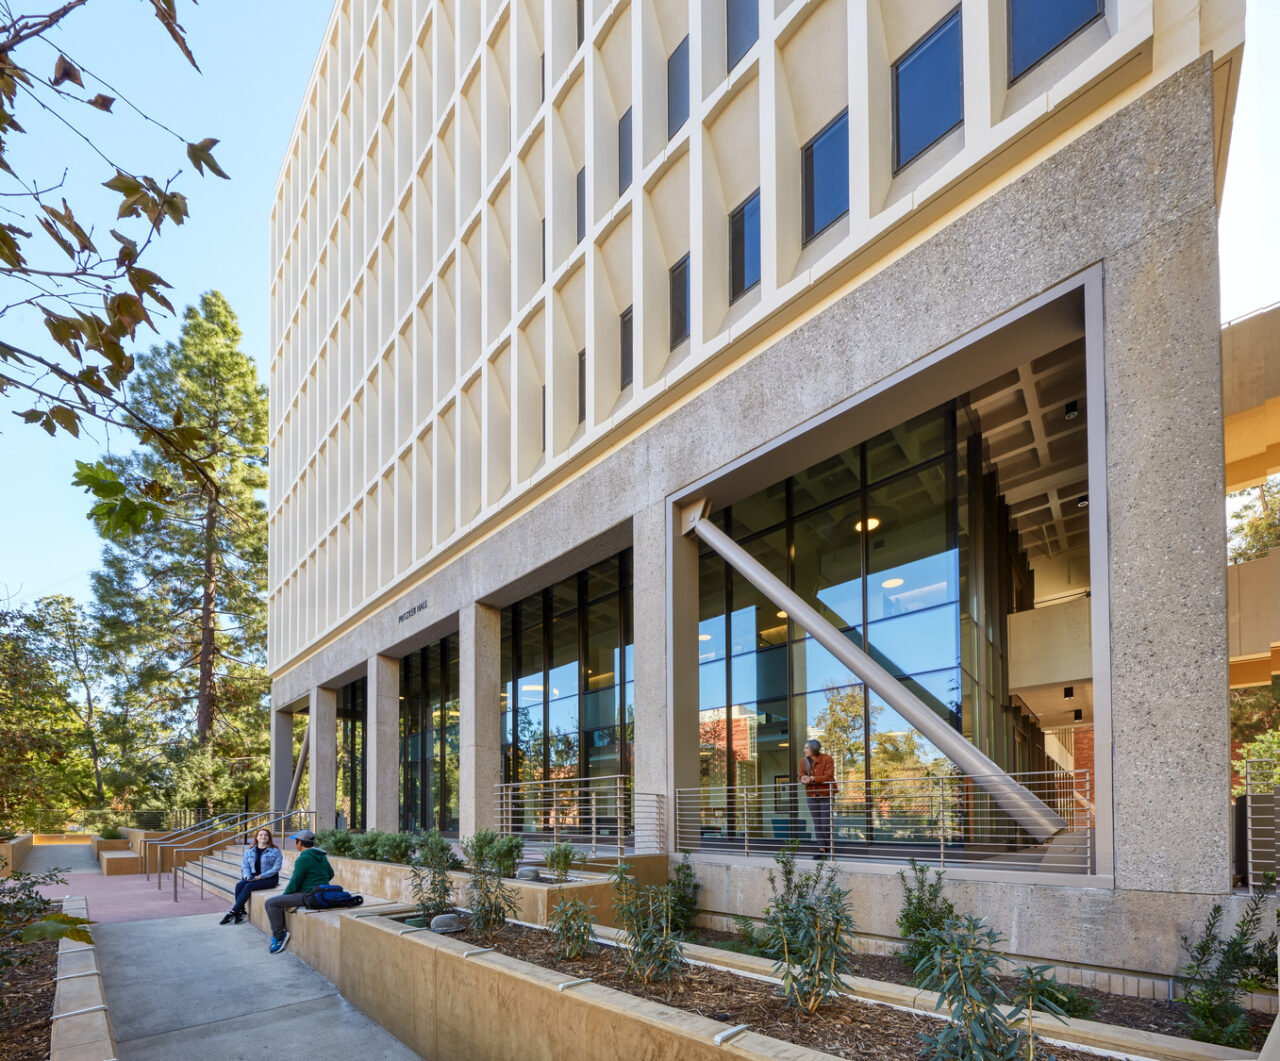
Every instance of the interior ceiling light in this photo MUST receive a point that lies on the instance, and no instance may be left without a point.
(872, 523)
(1073, 410)
(1082, 501)
(782, 615)
(704, 637)
(1068, 692)
(891, 583)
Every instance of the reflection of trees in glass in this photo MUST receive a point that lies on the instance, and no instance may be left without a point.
(841, 727)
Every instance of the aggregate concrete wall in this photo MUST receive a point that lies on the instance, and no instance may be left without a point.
(1135, 195)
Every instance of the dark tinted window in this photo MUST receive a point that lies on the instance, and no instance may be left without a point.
(582, 385)
(680, 302)
(544, 418)
(582, 204)
(582, 21)
(678, 88)
(542, 75)
(544, 248)
(1037, 28)
(743, 17)
(928, 91)
(825, 171)
(744, 246)
(624, 152)
(627, 359)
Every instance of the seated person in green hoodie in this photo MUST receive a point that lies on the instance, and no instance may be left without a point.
(311, 870)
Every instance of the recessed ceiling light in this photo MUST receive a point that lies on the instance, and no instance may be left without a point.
(1073, 410)
(704, 637)
(891, 583)
(782, 615)
(1082, 501)
(872, 523)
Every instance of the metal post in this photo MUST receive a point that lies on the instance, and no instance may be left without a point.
(621, 812)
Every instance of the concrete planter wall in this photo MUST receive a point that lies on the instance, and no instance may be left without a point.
(390, 881)
(13, 852)
(99, 844)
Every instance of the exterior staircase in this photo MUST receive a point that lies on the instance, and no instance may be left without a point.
(221, 870)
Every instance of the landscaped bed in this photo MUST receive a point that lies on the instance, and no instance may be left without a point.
(845, 1027)
(26, 1002)
(1145, 1014)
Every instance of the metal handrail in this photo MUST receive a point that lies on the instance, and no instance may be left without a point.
(604, 813)
(202, 851)
(146, 844)
(222, 823)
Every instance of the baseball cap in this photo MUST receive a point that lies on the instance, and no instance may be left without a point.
(305, 835)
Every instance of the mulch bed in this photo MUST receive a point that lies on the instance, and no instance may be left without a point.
(843, 1027)
(26, 1003)
(1145, 1014)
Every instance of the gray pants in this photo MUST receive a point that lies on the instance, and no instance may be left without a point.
(277, 905)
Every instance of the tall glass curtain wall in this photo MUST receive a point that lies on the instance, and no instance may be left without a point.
(568, 693)
(352, 712)
(429, 742)
(879, 540)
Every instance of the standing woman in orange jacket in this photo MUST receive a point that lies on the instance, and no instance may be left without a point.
(818, 774)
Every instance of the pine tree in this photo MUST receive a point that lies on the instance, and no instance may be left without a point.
(185, 598)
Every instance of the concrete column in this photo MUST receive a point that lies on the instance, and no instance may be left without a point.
(682, 673)
(382, 753)
(323, 760)
(480, 725)
(281, 758)
(650, 765)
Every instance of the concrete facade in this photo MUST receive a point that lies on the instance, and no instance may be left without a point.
(1103, 218)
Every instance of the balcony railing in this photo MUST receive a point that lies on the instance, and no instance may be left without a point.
(949, 820)
(603, 815)
(1262, 786)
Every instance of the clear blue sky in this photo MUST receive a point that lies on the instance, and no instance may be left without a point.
(257, 56)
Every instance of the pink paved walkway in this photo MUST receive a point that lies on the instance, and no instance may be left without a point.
(129, 897)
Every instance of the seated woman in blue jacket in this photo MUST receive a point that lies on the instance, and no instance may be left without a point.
(259, 868)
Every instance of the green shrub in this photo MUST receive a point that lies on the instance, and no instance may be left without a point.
(924, 910)
(684, 895)
(571, 921)
(807, 921)
(645, 913)
(365, 845)
(493, 902)
(561, 858)
(337, 842)
(395, 847)
(478, 849)
(507, 852)
(429, 876)
(25, 914)
(110, 831)
(1069, 999)
(964, 962)
(1213, 977)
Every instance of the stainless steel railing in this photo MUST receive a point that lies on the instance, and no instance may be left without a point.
(1262, 787)
(155, 842)
(226, 825)
(604, 815)
(288, 821)
(947, 820)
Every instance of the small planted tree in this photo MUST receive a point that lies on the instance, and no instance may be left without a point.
(561, 859)
(571, 921)
(645, 913)
(684, 892)
(493, 903)
(429, 876)
(964, 961)
(925, 910)
(808, 920)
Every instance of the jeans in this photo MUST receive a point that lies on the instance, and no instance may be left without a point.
(820, 812)
(276, 907)
(244, 887)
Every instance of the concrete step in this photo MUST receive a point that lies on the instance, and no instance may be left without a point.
(213, 885)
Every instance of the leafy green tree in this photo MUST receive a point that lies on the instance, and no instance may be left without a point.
(1254, 528)
(65, 636)
(184, 599)
(81, 274)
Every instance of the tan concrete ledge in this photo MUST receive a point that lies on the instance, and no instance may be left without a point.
(81, 1025)
(13, 852)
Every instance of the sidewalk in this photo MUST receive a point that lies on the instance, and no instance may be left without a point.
(188, 987)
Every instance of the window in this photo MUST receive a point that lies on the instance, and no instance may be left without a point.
(680, 302)
(582, 22)
(743, 18)
(678, 88)
(544, 250)
(544, 418)
(624, 152)
(582, 204)
(542, 75)
(582, 386)
(744, 246)
(824, 162)
(1036, 29)
(928, 91)
(626, 367)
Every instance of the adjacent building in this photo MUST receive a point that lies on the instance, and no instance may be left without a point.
(657, 386)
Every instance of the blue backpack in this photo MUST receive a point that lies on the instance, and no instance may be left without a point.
(332, 897)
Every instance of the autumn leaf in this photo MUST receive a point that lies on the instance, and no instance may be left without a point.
(102, 102)
(65, 70)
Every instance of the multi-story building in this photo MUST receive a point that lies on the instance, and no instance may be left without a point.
(657, 386)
